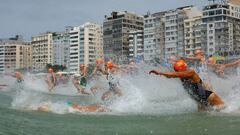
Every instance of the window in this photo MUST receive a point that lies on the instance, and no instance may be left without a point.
(211, 37)
(205, 13)
(211, 12)
(224, 12)
(218, 12)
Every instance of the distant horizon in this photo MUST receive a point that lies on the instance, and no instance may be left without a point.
(28, 18)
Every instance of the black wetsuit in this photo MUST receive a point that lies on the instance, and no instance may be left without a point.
(197, 91)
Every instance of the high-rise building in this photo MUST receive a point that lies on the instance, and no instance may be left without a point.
(116, 30)
(136, 45)
(192, 32)
(221, 28)
(42, 51)
(61, 45)
(15, 54)
(165, 32)
(85, 45)
(154, 36)
(174, 29)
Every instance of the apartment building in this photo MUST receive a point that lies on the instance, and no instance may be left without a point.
(61, 45)
(15, 54)
(154, 36)
(174, 29)
(221, 28)
(116, 28)
(136, 51)
(85, 45)
(192, 31)
(41, 51)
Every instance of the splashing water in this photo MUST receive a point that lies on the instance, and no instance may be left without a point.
(143, 93)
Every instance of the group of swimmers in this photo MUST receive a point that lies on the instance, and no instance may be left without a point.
(195, 79)
(101, 71)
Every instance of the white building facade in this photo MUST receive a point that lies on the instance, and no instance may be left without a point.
(221, 28)
(61, 45)
(85, 45)
(41, 51)
(15, 55)
(136, 45)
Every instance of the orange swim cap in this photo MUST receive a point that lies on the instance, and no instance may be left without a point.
(82, 66)
(109, 64)
(99, 60)
(18, 74)
(50, 70)
(180, 65)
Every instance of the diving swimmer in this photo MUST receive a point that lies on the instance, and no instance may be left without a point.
(193, 84)
(18, 76)
(51, 79)
(85, 108)
(88, 108)
(113, 82)
(201, 66)
(80, 81)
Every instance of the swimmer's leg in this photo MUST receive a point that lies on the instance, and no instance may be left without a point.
(215, 100)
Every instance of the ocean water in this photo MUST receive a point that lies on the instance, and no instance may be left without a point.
(151, 105)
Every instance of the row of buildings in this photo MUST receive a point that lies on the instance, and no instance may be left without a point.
(126, 36)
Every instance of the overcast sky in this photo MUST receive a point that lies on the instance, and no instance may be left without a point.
(30, 17)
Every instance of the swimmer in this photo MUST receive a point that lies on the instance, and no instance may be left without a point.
(193, 84)
(213, 66)
(201, 66)
(44, 108)
(18, 75)
(51, 79)
(113, 82)
(97, 74)
(88, 108)
(80, 81)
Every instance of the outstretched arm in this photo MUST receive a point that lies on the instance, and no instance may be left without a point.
(232, 64)
(190, 58)
(184, 74)
(222, 67)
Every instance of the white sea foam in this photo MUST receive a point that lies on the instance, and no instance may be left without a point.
(143, 93)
